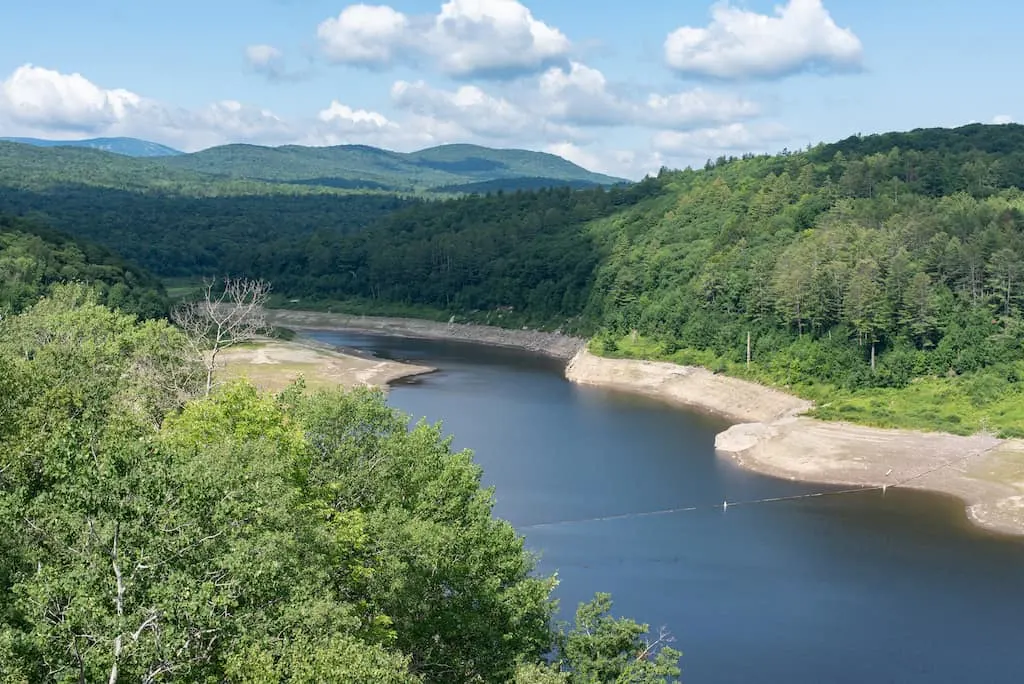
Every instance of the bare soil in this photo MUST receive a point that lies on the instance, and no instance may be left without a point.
(771, 437)
(273, 365)
(548, 343)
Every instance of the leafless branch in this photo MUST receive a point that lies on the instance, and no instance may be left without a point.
(222, 318)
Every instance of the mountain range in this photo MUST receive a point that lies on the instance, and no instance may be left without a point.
(448, 169)
(129, 147)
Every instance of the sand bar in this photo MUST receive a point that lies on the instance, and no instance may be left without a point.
(771, 437)
(273, 365)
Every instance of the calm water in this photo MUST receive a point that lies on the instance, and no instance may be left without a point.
(850, 588)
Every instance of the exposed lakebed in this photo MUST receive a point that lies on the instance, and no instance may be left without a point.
(845, 588)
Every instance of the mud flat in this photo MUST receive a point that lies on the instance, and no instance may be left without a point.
(550, 344)
(273, 365)
(771, 437)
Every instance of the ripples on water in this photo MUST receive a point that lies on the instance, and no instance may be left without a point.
(850, 588)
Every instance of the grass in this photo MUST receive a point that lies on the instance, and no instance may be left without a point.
(962, 405)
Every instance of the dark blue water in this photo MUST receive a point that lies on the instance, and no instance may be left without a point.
(847, 588)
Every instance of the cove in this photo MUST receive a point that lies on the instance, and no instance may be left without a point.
(849, 588)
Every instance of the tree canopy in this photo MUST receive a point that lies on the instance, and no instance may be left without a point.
(153, 533)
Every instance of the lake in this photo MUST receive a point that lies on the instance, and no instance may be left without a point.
(842, 588)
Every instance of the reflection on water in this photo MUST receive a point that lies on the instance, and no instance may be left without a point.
(847, 588)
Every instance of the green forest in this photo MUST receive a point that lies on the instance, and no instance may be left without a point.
(879, 275)
(159, 531)
(154, 532)
(34, 257)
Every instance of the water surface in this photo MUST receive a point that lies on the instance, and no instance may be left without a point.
(849, 588)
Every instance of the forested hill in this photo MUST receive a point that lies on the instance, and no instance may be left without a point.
(435, 168)
(911, 255)
(130, 147)
(858, 268)
(34, 257)
(288, 170)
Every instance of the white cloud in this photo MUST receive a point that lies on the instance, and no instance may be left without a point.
(473, 110)
(260, 56)
(46, 103)
(355, 118)
(695, 108)
(465, 38)
(581, 95)
(614, 162)
(493, 36)
(1002, 119)
(34, 96)
(734, 138)
(740, 44)
(369, 35)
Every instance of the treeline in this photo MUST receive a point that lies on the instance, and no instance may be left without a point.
(858, 272)
(153, 533)
(180, 235)
(34, 257)
(527, 253)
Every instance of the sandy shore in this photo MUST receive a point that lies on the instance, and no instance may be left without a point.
(273, 365)
(771, 437)
(550, 344)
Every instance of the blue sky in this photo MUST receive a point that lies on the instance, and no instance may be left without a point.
(622, 87)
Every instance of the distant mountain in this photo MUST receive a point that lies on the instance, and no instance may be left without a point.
(438, 169)
(290, 169)
(129, 147)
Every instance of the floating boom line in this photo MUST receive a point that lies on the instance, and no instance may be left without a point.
(725, 505)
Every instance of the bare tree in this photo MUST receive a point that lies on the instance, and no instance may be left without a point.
(222, 318)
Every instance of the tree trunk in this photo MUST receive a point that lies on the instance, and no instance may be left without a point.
(872, 356)
(748, 350)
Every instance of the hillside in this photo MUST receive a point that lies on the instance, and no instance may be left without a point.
(129, 147)
(370, 167)
(887, 284)
(30, 167)
(33, 257)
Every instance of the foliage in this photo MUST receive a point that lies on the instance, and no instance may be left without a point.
(33, 258)
(371, 167)
(152, 535)
(174, 234)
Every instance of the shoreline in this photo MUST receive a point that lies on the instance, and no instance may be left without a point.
(771, 437)
(768, 434)
(556, 345)
(274, 364)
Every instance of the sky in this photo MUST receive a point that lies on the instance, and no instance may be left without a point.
(619, 87)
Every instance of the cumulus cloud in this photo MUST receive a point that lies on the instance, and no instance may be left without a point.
(741, 44)
(466, 38)
(614, 162)
(40, 102)
(1002, 119)
(581, 95)
(734, 138)
(35, 96)
(368, 35)
(43, 102)
(473, 110)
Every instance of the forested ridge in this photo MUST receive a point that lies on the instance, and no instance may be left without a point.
(883, 282)
(290, 169)
(879, 275)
